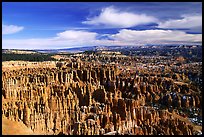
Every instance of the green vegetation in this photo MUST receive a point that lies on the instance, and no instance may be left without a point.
(27, 57)
(89, 52)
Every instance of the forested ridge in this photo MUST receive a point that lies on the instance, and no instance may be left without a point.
(27, 57)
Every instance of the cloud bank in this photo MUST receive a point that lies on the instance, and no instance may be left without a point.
(155, 37)
(187, 21)
(112, 17)
(125, 37)
(11, 29)
(74, 35)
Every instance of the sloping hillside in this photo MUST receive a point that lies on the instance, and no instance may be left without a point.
(15, 128)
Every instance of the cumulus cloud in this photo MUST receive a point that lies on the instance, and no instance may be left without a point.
(112, 17)
(64, 39)
(77, 35)
(187, 21)
(125, 37)
(10, 29)
(132, 37)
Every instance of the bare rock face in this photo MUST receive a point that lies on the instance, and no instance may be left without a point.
(26, 114)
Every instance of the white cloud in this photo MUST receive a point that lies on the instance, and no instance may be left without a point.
(132, 37)
(124, 37)
(10, 29)
(64, 39)
(112, 17)
(187, 21)
(77, 35)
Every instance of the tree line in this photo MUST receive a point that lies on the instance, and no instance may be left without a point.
(27, 57)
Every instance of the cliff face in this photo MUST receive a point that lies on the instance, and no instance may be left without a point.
(83, 99)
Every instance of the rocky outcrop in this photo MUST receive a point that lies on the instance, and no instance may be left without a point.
(78, 98)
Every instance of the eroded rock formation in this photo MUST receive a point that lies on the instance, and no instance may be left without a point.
(79, 98)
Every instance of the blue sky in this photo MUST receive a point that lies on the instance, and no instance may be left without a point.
(47, 25)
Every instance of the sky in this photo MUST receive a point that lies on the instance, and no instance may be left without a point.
(57, 25)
